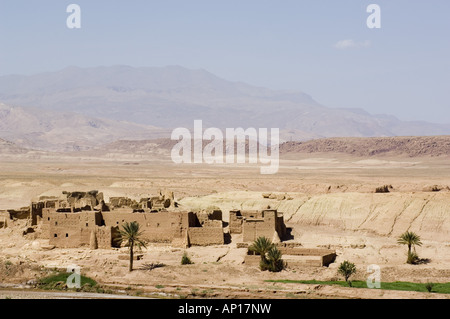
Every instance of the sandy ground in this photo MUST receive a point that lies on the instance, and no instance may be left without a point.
(219, 272)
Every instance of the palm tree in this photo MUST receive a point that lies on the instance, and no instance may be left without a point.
(347, 269)
(411, 239)
(133, 236)
(274, 261)
(261, 246)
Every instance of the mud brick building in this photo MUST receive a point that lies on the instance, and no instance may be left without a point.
(253, 224)
(88, 221)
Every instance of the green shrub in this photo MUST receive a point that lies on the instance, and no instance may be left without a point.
(185, 260)
(271, 257)
(429, 286)
(274, 260)
(347, 269)
(413, 258)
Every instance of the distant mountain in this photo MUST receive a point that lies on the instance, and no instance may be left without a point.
(173, 96)
(46, 130)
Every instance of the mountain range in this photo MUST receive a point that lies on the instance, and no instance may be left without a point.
(78, 108)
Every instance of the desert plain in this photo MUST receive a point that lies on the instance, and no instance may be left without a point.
(328, 200)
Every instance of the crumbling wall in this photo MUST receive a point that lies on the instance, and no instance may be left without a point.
(252, 229)
(119, 202)
(22, 213)
(299, 251)
(235, 222)
(81, 219)
(70, 230)
(4, 217)
(84, 199)
(266, 223)
(104, 236)
(49, 201)
(207, 215)
(156, 227)
(261, 226)
(249, 214)
(160, 202)
(36, 212)
(210, 234)
(280, 226)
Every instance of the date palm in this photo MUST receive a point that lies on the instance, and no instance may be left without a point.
(410, 239)
(275, 262)
(132, 235)
(261, 246)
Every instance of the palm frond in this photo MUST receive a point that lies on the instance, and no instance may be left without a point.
(409, 238)
(261, 246)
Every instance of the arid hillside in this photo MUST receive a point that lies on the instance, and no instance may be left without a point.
(385, 215)
(409, 146)
(371, 147)
(7, 147)
(368, 147)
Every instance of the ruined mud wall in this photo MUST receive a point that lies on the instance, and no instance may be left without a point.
(210, 234)
(298, 251)
(205, 216)
(122, 202)
(237, 217)
(104, 237)
(260, 227)
(156, 227)
(4, 217)
(252, 229)
(235, 223)
(70, 230)
(23, 213)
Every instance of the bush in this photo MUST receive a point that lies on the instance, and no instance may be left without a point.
(347, 269)
(270, 255)
(413, 258)
(429, 286)
(435, 188)
(383, 189)
(185, 260)
(274, 261)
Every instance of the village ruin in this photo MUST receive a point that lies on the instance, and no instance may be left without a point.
(84, 219)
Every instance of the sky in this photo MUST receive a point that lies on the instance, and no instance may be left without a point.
(321, 47)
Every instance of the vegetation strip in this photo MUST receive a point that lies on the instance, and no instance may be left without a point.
(442, 288)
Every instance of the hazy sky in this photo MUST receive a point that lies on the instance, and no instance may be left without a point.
(321, 47)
